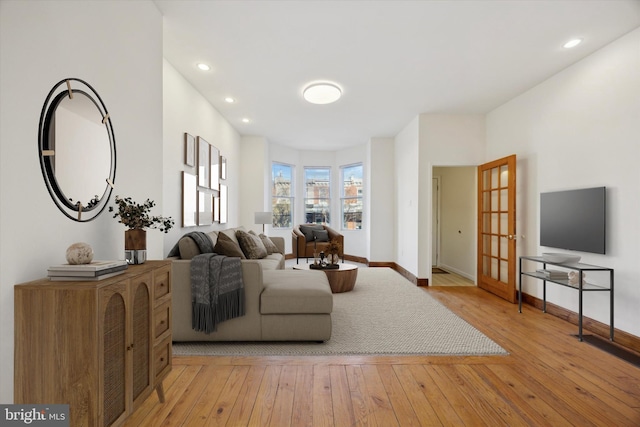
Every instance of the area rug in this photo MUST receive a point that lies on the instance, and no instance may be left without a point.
(384, 314)
(436, 270)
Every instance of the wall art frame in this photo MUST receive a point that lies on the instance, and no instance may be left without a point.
(224, 203)
(204, 165)
(205, 208)
(223, 167)
(189, 150)
(189, 199)
(214, 156)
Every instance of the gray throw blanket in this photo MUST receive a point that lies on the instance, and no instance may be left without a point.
(217, 291)
(202, 240)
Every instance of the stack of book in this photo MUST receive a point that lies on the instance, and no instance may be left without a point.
(96, 270)
(554, 274)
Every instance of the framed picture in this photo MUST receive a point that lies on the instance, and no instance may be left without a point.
(224, 190)
(205, 208)
(214, 156)
(189, 199)
(189, 150)
(204, 166)
(223, 167)
(216, 209)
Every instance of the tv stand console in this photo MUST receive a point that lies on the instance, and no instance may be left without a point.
(581, 286)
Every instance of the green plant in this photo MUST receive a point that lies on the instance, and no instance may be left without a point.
(136, 216)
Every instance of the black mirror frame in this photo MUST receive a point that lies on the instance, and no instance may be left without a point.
(46, 151)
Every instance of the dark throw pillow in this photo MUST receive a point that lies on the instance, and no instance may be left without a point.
(251, 245)
(226, 246)
(307, 230)
(321, 235)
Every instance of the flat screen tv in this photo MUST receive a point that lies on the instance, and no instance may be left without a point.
(574, 219)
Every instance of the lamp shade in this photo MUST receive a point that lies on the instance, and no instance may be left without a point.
(263, 217)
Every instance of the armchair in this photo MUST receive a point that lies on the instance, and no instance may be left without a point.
(306, 238)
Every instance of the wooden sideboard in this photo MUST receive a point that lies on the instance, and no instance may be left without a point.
(100, 346)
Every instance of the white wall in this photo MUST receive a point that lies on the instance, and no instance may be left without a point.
(255, 182)
(406, 165)
(381, 195)
(186, 110)
(428, 140)
(445, 140)
(580, 129)
(355, 241)
(42, 43)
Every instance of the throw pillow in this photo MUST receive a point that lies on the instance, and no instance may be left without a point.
(307, 230)
(321, 235)
(269, 245)
(188, 248)
(226, 246)
(251, 245)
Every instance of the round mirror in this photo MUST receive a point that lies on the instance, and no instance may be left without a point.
(77, 149)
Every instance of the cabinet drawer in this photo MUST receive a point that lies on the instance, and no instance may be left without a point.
(162, 321)
(161, 359)
(161, 282)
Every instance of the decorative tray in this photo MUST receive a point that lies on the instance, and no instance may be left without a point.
(324, 267)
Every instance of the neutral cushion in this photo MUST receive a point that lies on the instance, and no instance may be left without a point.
(295, 292)
(225, 246)
(269, 245)
(272, 262)
(307, 230)
(189, 248)
(251, 245)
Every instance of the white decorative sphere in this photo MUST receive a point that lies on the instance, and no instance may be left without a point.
(79, 253)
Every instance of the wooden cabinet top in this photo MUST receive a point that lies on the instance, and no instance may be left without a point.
(131, 271)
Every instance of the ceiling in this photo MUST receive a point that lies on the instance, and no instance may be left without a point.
(392, 59)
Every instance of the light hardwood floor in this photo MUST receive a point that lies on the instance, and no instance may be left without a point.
(548, 379)
(449, 279)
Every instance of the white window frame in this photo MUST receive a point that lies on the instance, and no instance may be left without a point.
(328, 198)
(344, 198)
(291, 196)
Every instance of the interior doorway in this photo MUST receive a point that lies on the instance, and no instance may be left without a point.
(435, 221)
(454, 225)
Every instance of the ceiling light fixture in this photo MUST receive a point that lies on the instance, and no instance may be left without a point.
(203, 67)
(245, 120)
(322, 93)
(229, 100)
(572, 43)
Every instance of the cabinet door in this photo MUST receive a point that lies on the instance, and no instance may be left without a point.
(113, 300)
(141, 344)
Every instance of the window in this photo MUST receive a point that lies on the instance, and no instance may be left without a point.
(351, 197)
(282, 195)
(317, 195)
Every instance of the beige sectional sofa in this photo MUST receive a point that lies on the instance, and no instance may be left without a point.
(281, 305)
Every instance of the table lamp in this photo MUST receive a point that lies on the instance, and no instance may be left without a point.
(263, 218)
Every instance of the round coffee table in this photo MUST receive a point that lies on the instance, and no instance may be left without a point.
(341, 279)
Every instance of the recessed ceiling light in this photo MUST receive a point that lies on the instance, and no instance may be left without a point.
(322, 93)
(572, 43)
(245, 120)
(203, 67)
(229, 100)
